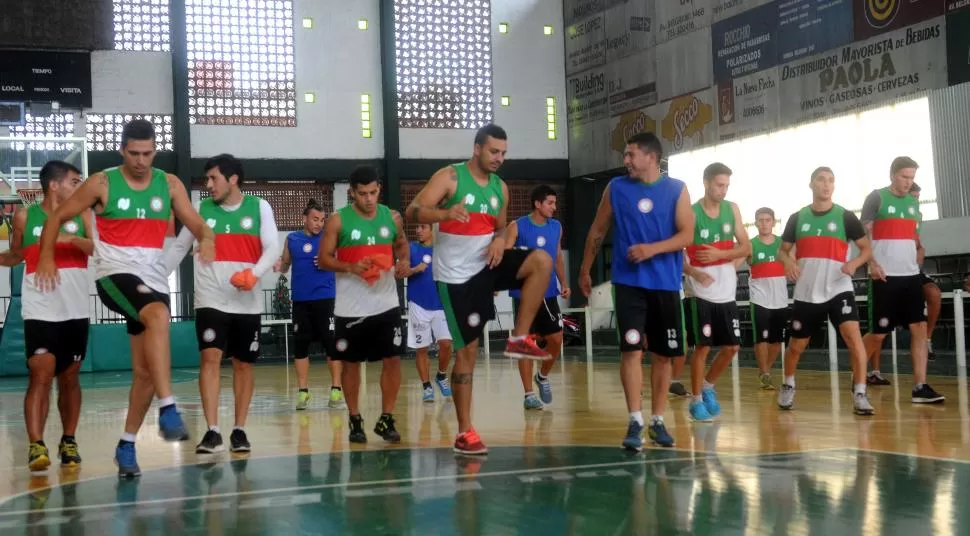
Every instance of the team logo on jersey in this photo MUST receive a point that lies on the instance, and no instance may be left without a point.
(209, 335)
(470, 199)
(705, 233)
(385, 232)
(124, 203)
(474, 320)
(632, 336)
(806, 227)
(355, 234)
(911, 210)
(37, 230)
(541, 241)
(494, 202)
(156, 204)
(645, 205)
(211, 222)
(341, 345)
(891, 209)
(246, 223)
(761, 255)
(307, 248)
(831, 226)
(70, 227)
(726, 228)
(426, 259)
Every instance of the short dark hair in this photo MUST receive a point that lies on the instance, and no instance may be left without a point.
(312, 205)
(821, 169)
(900, 163)
(540, 193)
(648, 142)
(490, 131)
(228, 165)
(362, 175)
(137, 129)
(764, 210)
(716, 169)
(55, 170)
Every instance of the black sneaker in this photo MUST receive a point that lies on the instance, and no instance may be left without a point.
(238, 442)
(877, 379)
(926, 395)
(210, 444)
(68, 452)
(677, 389)
(357, 434)
(385, 428)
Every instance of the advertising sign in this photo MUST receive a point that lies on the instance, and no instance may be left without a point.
(587, 97)
(747, 105)
(688, 121)
(873, 17)
(631, 83)
(745, 44)
(809, 27)
(725, 9)
(626, 125)
(629, 28)
(957, 5)
(685, 64)
(586, 44)
(574, 10)
(677, 18)
(864, 74)
(958, 46)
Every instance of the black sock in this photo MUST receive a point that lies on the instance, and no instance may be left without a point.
(67, 439)
(332, 387)
(385, 415)
(170, 407)
(122, 442)
(426, 385)
(441, 375)
(304, 390)
(40, 442)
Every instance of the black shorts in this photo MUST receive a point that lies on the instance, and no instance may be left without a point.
(897, 301)
(368, 338)
(806, 317)
(237, 335)
(127, 295)
(470, 305)
(768, 325)
(67, 340)
(927, 280)
(548, 319)
(714, 324)
(651, 320)
(313, 321)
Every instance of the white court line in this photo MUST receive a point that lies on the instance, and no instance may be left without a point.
(911, 455)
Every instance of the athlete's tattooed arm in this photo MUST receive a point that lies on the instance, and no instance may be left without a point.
(425, 206)
(594, 240)
(15, 255)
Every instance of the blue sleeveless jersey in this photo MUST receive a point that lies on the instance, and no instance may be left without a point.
(544, 237)
(421, 287)
(645, 213)
(308, 283)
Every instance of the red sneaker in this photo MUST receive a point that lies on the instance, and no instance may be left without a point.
(525, 349)
(470, 443)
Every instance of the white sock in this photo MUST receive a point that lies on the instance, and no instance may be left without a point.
(860, 388)
(541, 377)
(874, 373)
(167, 401)
(128, 437)
(637, 416)
(517, 339)
(790, 380)
(530, 393)
(708, 385)
(656, 419)
(443, 372)
(698, 398)
(240, 428)
(929, 346)
(215, 428)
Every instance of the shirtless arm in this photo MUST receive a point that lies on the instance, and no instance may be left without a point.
(441, 186)
(15, 255)
(186, 213)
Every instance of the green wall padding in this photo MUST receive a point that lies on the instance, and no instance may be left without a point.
(109, 348)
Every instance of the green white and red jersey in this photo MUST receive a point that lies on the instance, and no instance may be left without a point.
(460, 247)
(895, 227)
(717, 232)
(365, 237)
(767, 284)
(69, 301)
(132, 229)
(821, 249)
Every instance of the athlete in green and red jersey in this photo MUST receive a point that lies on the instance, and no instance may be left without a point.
(822, 272)
(769, 295)
(133, 205)
(367, 325)
(55, 323)
(468, 203)
(892, 216)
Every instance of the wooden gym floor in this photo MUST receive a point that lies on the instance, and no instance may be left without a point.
(758, 470)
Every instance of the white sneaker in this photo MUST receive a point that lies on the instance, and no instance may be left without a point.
(862, 404)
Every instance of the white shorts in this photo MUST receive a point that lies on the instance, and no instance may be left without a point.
(422, 324)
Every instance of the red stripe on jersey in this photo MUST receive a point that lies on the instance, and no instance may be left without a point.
(768, 269)
(821, 247)
(132, 232)
(238, 248)
(723, 245)
(65, 256)
(894, 229)
(478, 224)
(356, 253)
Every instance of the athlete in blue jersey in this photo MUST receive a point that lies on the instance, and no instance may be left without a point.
(653, 223)
(539, 230)
(312, 293)
(426, 316)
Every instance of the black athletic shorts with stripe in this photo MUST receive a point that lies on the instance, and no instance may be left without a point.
(651, 320)
(713, 324)
(66, 340)
(127, 295)
(235, 334)
(548, 319)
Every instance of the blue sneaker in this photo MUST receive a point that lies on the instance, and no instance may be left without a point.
(532, 402)
(634, 437)
(428, 395)
(658, 434)
(699, 412)
(545, 389)
(444, 386)
(710, 400)
(170, 425)
(126, 461)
